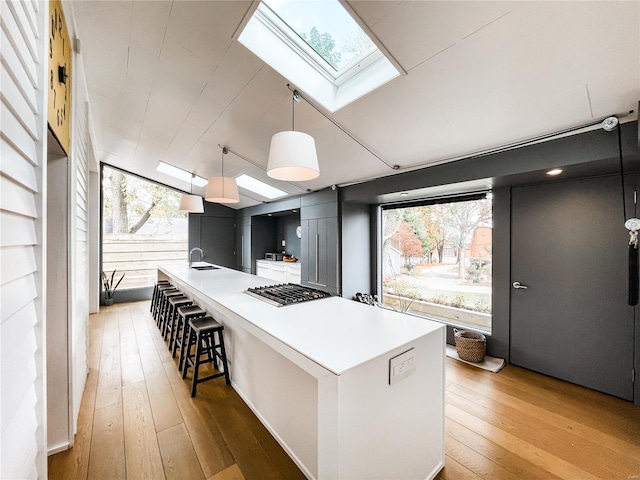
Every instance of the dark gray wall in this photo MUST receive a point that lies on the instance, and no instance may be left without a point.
(286, 230)
(589, 154)
(263, 238)
(356, 249)
(501, 275)
(213, 231)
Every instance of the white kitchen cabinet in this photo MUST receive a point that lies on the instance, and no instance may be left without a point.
(293, 273)
(278, 271)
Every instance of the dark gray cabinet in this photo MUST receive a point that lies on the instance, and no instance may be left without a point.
(320, 254)
(243, 248)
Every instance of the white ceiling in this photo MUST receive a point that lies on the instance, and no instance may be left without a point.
(167, 81)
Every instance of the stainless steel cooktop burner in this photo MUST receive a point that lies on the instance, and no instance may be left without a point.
(286, 294)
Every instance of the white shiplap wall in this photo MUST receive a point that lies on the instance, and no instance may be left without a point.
(80, 237)
(22, 179)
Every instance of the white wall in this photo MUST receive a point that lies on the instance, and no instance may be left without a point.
(80, 154)
(23, 69)
(23, 243)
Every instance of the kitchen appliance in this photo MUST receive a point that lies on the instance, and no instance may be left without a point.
(274, 256)
(286, 294)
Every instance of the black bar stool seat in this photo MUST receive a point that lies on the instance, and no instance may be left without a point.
(155, 292)
(182, 328)
(164, 300)
(172, 311)
(155, 306)
(202, 333)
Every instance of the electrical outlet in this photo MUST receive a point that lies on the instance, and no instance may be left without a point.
(401, 366)
(283, 243)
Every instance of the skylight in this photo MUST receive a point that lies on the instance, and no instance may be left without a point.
(261, 188)
(327, 28)
(319, 47)
(180, 174)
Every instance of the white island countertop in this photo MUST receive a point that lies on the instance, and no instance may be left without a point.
(336, 333)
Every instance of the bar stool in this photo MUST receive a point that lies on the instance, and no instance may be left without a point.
(172, 312)
(164, 300)
(182, 328)
(155, 304)
(155, 292)
(202, 333)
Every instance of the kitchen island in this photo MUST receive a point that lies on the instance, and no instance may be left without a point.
(350, 391)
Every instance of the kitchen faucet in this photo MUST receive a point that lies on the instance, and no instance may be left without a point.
(191, 253)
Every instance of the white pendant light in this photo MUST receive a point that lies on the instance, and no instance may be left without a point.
(292, 155)
(222, 189)
(191, 203)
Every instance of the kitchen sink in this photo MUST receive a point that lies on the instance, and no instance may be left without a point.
(205, 267)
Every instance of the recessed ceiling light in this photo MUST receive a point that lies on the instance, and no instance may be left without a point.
(555, 171)
(404, 194)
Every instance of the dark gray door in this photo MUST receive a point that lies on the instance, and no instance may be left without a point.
(569, 248)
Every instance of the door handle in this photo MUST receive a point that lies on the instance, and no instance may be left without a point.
(519, 285)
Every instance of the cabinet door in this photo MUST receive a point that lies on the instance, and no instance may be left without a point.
(313, 258)
(304, 252)
(331, 253)
(321, 245)
(246, 247)
(243, 247)
(262, 270)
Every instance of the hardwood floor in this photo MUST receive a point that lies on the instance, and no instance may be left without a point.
(138, 420)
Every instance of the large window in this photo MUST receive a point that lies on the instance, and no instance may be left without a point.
(436, 261)
(141, 227)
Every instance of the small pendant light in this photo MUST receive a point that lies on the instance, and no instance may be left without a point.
(222, 189)
(191, 203)
(292, 155)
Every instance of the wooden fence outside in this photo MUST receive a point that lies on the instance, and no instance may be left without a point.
(138, 256)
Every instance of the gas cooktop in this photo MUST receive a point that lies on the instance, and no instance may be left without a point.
(286, 294)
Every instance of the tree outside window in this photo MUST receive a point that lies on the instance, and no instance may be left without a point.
(439, 257)
(142, 227)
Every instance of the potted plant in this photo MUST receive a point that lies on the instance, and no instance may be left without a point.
(109, 287)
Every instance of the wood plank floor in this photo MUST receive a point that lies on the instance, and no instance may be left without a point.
(138, 420)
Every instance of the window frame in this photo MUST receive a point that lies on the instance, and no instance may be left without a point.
(445, 199)
(130, 294)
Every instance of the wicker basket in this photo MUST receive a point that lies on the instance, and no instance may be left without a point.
(471, 346)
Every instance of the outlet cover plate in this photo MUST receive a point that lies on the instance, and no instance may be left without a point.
(402, 366)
